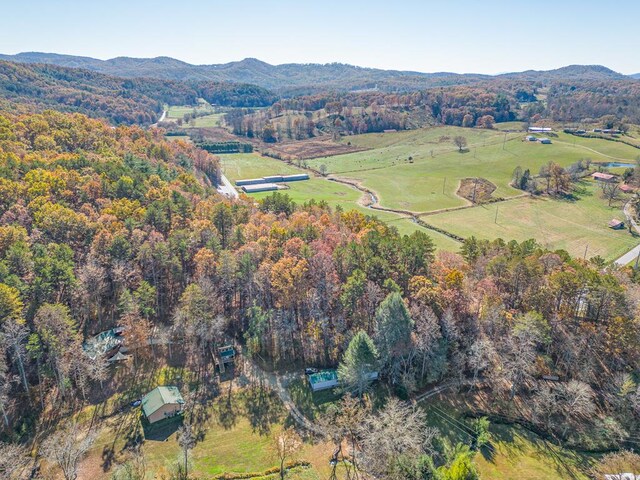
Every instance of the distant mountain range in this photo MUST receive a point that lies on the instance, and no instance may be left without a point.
(635, 75)
(300, 78)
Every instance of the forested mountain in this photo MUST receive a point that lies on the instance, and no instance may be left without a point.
(301, 78)
(35, 87)
(635, 75)
(40, 86)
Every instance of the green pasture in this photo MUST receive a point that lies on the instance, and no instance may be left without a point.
(573, 225)
(429, 180)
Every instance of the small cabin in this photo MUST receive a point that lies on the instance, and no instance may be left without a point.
(162, 402)
(323, 380)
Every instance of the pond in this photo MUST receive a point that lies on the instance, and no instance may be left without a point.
(618, 165)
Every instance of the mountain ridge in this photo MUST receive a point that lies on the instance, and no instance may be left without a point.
(302, 76)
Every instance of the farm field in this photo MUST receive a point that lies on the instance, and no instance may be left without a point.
(207, 115)
(436, 166)
(556, 224)
(238, 166)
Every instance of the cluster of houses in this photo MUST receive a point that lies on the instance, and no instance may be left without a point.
(269, 183)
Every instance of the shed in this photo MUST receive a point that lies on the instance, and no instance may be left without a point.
(162, 402)
(546, 141)
(616, 224)
(296, 177)
(261, 187)
(627, 188)
(323, 380)
(530, 138)
(540, 129)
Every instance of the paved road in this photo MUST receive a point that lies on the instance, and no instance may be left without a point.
(227, 188)
(632, 254)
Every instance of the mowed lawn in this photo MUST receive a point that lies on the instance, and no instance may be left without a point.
(239, 166)
(556, 224)
(429, 180)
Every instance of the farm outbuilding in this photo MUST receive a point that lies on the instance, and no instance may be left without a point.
(261, 187)
(162, 402)
(250, 181)
(530, 138)
(272, 179)
(295, 178)
(616, 224)
(603, 177)
(627, 188)
(540, 129)
(546, 141)
(323, 380)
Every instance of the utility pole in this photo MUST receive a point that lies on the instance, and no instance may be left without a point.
(585, 252)
(495, 220)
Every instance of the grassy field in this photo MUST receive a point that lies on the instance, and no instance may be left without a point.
(238, 166)
(176, 111)
(570, 225)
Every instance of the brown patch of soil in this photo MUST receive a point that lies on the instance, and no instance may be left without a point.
(476, 190)
(307, 149)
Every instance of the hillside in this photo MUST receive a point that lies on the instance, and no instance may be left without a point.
(300, 78)
(36, 87)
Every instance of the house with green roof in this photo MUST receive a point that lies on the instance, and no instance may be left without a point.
(162, 402)
(323, 380)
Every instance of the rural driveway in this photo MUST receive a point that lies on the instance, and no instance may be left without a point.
(226, 188)
(632, 254)
(279, 383)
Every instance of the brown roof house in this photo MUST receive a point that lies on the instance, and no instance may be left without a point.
(603, 177)
(161, 403)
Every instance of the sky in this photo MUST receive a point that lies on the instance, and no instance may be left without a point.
(463, 36)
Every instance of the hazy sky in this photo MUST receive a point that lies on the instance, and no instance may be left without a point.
(489, 36)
